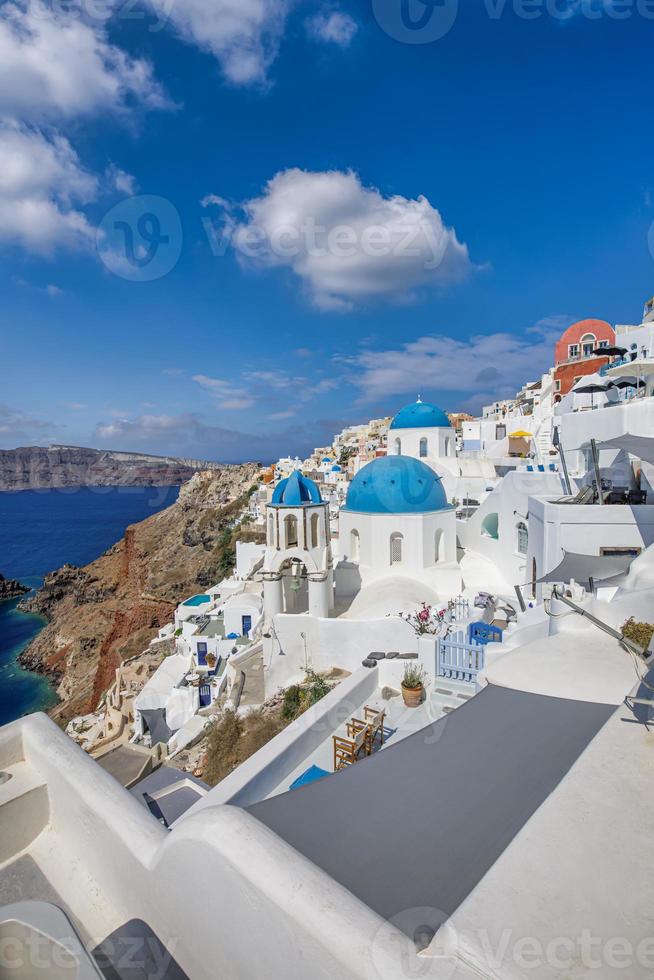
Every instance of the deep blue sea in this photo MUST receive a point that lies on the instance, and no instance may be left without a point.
(40, 530)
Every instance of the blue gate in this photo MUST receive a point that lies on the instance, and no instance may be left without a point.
(459, 660)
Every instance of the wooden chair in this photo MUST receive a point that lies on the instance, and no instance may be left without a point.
(348, 750)
(373, 723)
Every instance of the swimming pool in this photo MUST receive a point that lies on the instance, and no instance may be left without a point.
(197, 600)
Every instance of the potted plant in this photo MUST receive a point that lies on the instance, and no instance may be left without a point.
(413, 684)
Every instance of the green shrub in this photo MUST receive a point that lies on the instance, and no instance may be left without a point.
(316, 687)
(223, 748)
(639, 633)
(292, 702)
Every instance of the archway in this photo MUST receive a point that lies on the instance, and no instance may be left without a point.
(290, 531)
(315, 522)
(490, 526)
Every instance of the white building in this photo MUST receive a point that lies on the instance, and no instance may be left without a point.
(297, 568)
(397, 522)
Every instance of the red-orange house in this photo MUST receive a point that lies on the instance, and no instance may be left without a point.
(573, 355)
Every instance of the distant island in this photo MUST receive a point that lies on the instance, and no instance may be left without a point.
(39, 467)
(10, 588)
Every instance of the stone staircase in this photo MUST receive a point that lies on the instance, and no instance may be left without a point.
(450, 695)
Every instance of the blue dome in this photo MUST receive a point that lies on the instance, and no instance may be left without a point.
(396, 485)
(296, 490)
(326, 459)
(336, 468)
(420, 415)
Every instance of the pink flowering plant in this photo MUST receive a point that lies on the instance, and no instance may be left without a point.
(426, 620)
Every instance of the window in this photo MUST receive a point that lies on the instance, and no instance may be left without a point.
(490, 526)
(271, 530)
(423, 446)
(523, 538)
(290, 525)
(314, 530)
(396, 548)
(557, 384)
(626, 552)
(202, 654)
(398, 447)
(354, 545)
(588, 343)
(573, 350)
(500, 431)
(603, 343)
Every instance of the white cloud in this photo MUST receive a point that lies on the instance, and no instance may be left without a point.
(243, 35)
(487, 366)
(187, 434)
(17, 425)
(347, 243)
(53, 290)
(59, 65)
(288, 413)
(332, 27)
(227, 395)
(42, 185)
(120, 180)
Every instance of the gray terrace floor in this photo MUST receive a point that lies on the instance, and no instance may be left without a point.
(400, 722)
(418, 825)
(125, 764)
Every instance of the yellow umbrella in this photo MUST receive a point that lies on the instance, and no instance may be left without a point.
(520, 434)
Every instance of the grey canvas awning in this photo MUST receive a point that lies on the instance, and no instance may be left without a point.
(412, 829)
(581, 568)
(640, 446)
(155, 720)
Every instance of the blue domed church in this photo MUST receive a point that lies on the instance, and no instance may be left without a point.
(423, 431)
(397, 522)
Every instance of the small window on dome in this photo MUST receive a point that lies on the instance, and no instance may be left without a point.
(423, 447)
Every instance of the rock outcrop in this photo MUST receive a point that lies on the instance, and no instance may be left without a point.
(38, 467)
(109, 611)
(10, 588)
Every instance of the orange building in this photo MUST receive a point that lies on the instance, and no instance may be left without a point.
(574, 352)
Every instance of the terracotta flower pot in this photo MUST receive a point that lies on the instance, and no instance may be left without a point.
(412, 696)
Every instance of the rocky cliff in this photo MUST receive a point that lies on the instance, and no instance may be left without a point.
(37, 467)
(111, 609)
(10, 588)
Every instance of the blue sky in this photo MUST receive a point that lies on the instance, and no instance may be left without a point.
(506, 166)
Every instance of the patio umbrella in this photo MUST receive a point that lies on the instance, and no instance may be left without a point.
(627, 381)
(589, 385)
(610, 351)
